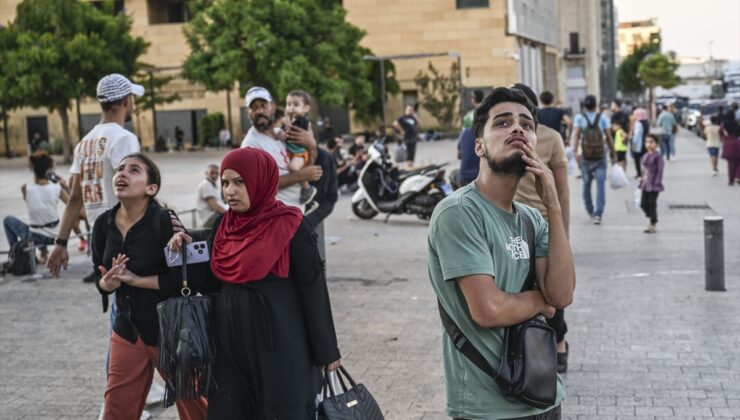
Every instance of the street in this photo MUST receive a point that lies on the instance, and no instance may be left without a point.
(646, 340)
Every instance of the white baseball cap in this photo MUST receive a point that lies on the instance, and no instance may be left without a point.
(257, 92)
(117, 86)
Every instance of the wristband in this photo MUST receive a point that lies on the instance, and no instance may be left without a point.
(61, 242)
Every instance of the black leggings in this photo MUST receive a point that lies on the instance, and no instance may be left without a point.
(410, 151)
(649, 204)
(637, 157)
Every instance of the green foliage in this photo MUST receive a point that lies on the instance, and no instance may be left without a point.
(627, 78)
(210, 125)
(57, 50)
(440, 93)
(154, 96)
(283, 45)
(57, 147)
(659, 70)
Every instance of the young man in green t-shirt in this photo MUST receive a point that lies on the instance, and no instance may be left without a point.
(478, 256)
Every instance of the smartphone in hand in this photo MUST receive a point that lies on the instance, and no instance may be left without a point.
(197, 252)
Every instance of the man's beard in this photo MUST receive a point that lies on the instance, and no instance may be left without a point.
(260, 125)
(512, 165)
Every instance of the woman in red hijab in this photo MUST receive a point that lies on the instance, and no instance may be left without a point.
(273, 316)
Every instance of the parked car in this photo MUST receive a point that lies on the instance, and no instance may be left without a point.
(691, 114)
(709, 109)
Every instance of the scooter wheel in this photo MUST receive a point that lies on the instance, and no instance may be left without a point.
(363, 210)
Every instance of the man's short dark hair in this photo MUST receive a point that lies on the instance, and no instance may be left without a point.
(527, 91)
(617, 102)
(331, 143)
(547, 97)
(478, 96)
(108, 106)
(303, 95)
(590, 102)
(497, 96)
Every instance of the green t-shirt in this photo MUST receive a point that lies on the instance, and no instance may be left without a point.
(467, 121)
(469, 235)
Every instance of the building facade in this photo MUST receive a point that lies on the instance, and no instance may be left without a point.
(636, 33)
(581, 38)
(496, 42)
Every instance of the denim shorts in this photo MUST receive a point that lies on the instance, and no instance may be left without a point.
(713, 151)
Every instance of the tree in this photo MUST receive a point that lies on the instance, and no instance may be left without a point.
(440, 93)
(282, 45)
(658, 70)
(628, 78)
(57, 50)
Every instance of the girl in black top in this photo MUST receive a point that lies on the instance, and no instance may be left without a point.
(128, 243)
(273, 316)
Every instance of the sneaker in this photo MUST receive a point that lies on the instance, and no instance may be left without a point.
(596, 220)
(311, 207)
(156, 394)
(83, 245)
(715, 172)
(92, 277)
(307, 194)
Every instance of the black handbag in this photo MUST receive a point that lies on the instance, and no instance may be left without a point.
(187, 349)
(528, 370)
(355, 403)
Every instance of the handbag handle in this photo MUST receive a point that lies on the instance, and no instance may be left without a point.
(185, 291)
(349, 378)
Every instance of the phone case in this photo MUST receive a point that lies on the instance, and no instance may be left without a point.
(197, 252)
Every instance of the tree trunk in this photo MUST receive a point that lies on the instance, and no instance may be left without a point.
(67, 145)
(651, 102)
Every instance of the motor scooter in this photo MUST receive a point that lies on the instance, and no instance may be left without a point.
(385, 189)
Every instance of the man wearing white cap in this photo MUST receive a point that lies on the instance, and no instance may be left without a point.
(95, 158)
(262, 135)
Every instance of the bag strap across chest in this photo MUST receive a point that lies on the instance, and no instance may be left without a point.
(459, 340)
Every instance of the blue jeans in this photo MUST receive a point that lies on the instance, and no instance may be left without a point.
(673, 145)
(16, 230)
(591, 169)
(666, 146)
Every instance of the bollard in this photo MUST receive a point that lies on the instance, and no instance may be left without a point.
(714, 254)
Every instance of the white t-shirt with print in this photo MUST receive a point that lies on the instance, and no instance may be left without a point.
(278, 150)
(207, 189)
(96, 157)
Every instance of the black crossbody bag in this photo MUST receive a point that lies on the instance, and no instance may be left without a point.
(528, 370)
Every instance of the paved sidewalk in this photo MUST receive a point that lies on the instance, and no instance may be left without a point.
(646, 340)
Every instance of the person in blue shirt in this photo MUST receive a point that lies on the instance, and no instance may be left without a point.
(593, 169)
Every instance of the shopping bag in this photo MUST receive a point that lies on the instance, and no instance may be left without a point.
(571, 160)
(618, 179)
(355, 403)
(638, 198)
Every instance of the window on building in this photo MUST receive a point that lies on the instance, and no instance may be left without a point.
(471, 4)
(168, 11)
(117, 5)
(575, 72)
(410, 97)
(574, 44)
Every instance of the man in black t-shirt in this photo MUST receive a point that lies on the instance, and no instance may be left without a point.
(551, 116)
(408, 124)
(619, 115)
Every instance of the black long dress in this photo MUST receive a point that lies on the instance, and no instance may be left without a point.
(274, 336)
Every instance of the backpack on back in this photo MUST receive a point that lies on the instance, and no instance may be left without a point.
(593, 139)
(21, 259)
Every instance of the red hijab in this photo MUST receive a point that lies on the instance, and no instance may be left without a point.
(249, 245)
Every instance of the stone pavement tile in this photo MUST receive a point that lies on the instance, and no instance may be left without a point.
(616, 410)
(726, 412)
(708, 402)
(654, 411)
